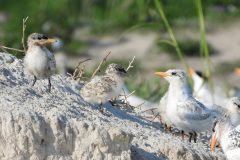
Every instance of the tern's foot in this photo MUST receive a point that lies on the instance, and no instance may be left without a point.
(49, 85)
(182, 133)
(167, 128)
(113, 102)
(193, 136)
(34, 80)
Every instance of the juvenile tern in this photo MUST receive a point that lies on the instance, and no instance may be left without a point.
(39, 61)
(100, 89)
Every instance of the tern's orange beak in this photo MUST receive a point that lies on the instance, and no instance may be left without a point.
(48, 41)
(213, 141)
(162, 74)
(237, 71)
(191, 71)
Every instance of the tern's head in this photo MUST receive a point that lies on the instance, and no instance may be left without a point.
(233, 105)
(115, 69)
(173, 75)
(39, 39)
(197, 75)
(237, 71)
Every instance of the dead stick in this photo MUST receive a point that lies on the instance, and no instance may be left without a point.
(139, 105)
(130, 94)
(8, 48)
(99, 66)
(23, 33)
(79, 63)
(149, 109)
(130, 64)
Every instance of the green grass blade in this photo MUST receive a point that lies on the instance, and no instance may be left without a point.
(170, 32)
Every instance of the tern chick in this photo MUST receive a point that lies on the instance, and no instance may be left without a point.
(100, 89)
(39, 61)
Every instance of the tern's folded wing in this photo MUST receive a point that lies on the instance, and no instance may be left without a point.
(192, 110)
(51, 61)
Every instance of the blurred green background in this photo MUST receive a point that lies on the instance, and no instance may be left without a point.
(84, 24)
(61, 17)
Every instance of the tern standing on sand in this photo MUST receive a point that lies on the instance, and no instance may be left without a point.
(227, 131)
(39, 61)
(183, 110)
(100, 89)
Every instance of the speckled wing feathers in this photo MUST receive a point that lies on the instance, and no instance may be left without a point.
(99, 87)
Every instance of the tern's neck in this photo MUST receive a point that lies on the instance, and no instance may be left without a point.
(198, 83)
(180, 89)
(116, 77)
(33, 46)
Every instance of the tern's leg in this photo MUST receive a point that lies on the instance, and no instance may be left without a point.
(160, 119)
(170, 129)
(101, 107)
(34, 80)
(113, 101)
(195, 137)
(165, 127)
(182, 133)
(49, 85)
(190, 137)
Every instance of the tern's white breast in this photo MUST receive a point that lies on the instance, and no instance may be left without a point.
(38, 62)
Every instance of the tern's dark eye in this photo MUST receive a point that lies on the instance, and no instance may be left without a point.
(44, 37)
(121, 70)
(39, 38)
(214, 125)
(237, 105)
(174, 73)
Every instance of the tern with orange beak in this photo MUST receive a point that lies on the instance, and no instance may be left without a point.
(213, 99)
(39, 61)
(227, 131)
(237, 71)
(182, 109)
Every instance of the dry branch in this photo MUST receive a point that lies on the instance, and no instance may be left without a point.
(13, 49)
(99, 66)
(130, 64)
(79, 71)
(23, 33)
(4, 48)
(140, 104)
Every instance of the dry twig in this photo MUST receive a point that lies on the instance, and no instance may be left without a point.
(151, 109)
(23, 33)
(13, 49)
(130, 64)
(140, 104)
(4, 48)
(125, 98)
(99, 66)
(79, 71)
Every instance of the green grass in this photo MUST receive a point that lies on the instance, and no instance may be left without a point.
(147, 88)
(173, 41)
(190, 48)
(75, 47)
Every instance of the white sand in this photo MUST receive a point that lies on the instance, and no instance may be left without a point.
(37, 125)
